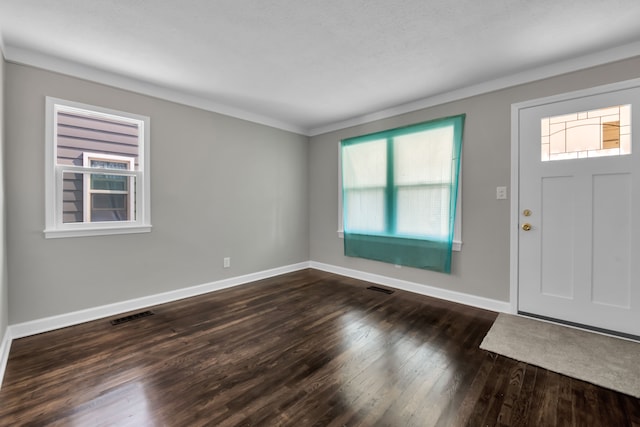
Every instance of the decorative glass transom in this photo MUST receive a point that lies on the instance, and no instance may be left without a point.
(595, 133)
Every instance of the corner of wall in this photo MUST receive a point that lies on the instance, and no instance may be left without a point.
(2, 47)
(5, 346)
(4, 292)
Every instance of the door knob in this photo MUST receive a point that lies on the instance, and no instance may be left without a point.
(526, 226)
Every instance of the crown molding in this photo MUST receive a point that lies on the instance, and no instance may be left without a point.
(51, 63)
(74, 69)
(555, 69)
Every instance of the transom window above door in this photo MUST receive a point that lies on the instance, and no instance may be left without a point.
(594, 133)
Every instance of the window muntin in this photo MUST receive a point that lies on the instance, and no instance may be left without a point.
(82, 142)
(594, 133)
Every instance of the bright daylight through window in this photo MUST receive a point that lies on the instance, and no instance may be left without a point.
(96, 171)
(399, 193)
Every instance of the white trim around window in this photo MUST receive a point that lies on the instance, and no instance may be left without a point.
(139, 192)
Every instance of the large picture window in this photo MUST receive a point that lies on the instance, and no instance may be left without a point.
(96, 171)
(399, 190)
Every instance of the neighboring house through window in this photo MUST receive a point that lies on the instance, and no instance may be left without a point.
(97, 171)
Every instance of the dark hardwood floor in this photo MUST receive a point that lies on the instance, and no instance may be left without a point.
(304, 349)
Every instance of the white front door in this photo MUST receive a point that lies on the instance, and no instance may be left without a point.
(579, 208)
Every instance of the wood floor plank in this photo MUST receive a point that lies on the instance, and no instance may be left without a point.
(468, 408)
(515, 380)
(520, 411)
(308, 348)
(565, 415)
(632, 409)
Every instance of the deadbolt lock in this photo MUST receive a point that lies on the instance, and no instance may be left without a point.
(526, 212)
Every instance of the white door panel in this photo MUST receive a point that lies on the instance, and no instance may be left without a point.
(580, 260)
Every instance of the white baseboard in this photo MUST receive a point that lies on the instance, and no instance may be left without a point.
(47, 324)
(5, 346)
(417, 288)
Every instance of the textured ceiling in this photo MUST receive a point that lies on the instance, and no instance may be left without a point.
(309, 64)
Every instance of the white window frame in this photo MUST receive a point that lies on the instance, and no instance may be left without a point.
(457, 226)
(54, 173)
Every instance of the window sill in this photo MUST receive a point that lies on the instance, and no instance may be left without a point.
(457, 244)
(98, 231)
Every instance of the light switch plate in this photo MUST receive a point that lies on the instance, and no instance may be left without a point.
(501, 193)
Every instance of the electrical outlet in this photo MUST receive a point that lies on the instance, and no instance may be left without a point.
(501, 193)
(226, 262)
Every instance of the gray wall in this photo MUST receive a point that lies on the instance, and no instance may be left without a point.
(482, 267)
(225, 187)
(4, 291)
(219, 187)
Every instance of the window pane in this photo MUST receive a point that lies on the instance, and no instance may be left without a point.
(108, 201)
(365, 211)
(365, 165)
(423, 157)
(79, 132)
(109, 207)
(109, 182)
(423, 211)
(103, 164)
(72, 198)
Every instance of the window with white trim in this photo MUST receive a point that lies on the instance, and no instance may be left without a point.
(457, 236)
(97, 170)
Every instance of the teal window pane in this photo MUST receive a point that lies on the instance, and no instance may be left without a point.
(365, 165)
(423, 211)
(366, 211)
(423, 157)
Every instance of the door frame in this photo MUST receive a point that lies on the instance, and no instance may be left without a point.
(514, 234)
